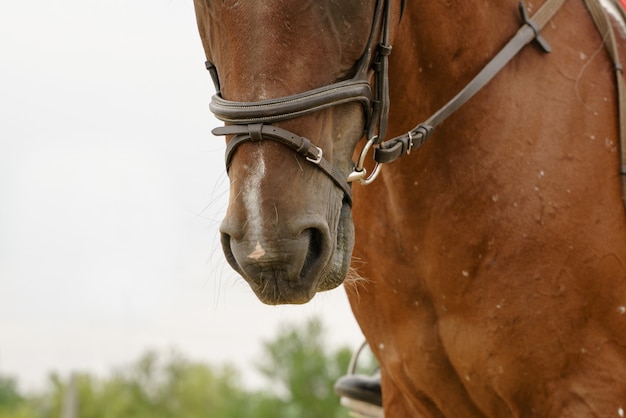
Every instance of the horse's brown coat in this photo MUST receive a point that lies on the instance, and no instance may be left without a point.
(493, 258)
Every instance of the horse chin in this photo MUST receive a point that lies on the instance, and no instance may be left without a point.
(281, 292)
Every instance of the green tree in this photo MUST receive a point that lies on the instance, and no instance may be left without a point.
(12, 403)
(9, 396)
(155, 387)
(300, 368)
(300, 365)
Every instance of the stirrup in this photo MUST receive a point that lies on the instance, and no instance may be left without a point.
(360, 394)
(360, 409)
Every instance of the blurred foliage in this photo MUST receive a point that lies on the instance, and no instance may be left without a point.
(299, 364)
(299, 367)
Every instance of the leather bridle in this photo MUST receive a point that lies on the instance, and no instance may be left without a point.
(251, 121)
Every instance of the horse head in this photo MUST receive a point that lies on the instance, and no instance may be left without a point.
(293, 88)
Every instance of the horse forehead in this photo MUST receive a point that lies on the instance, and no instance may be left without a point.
(271, 48)
(303, 8)
(297, 20)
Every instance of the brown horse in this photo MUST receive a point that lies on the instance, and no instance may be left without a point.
(488, 267)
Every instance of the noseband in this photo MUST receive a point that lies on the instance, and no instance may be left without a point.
(252, 121)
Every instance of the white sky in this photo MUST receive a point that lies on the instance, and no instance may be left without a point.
(111, 192)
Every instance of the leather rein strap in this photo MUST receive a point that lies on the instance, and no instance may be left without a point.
(392, 149)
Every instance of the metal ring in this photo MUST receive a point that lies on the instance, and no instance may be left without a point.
(408, 149)
(372, 176)
(360, 173)
(318, 159)
(355, 358)
(361, 161)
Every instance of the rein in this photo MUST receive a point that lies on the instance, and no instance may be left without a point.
(249, 120)
(392, 149)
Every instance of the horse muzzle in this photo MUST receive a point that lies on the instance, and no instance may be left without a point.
(280, 269)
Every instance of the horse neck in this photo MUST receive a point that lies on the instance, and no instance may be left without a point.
(442, 45)
(447, 42)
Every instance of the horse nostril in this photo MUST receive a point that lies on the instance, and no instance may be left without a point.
(228, 251)
(314, 251)
(295, 261)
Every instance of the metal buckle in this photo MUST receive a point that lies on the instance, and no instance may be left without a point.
(317, 160)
